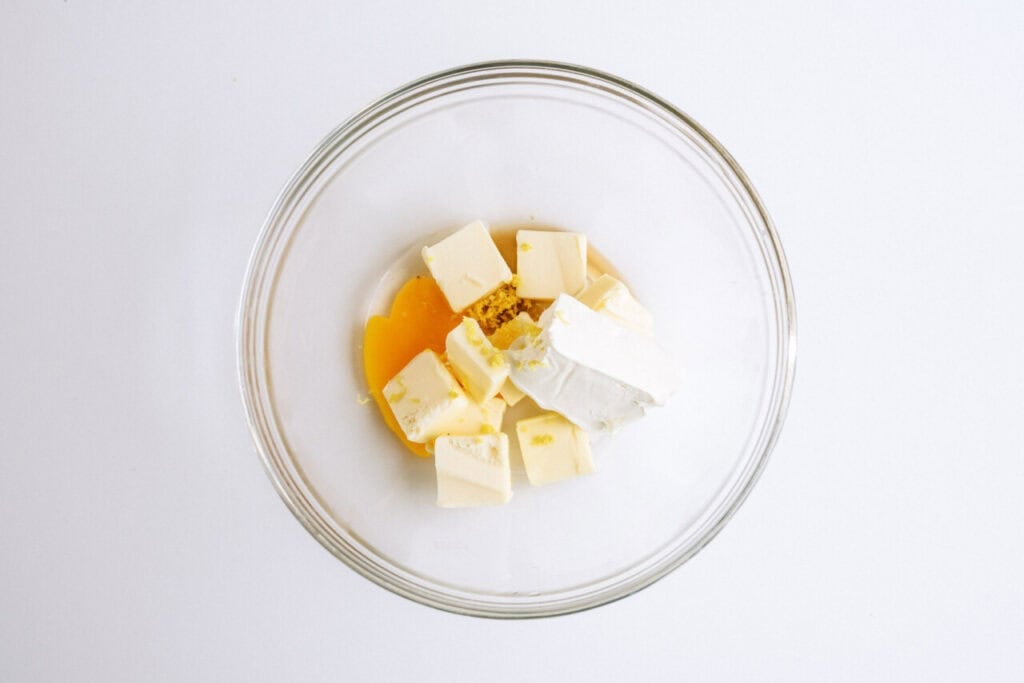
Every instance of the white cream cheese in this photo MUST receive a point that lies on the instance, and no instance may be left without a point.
(595, 372)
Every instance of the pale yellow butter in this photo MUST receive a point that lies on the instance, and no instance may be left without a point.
(553, 449)
(550, 263)
(426, 399)
(480, 367)
(511, 393)
(611, 298)
(478, 418)
(472, 470)
(466, 265)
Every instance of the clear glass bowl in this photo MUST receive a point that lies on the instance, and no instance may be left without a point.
(518, 143)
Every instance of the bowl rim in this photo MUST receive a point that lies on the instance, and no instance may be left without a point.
(250, 337)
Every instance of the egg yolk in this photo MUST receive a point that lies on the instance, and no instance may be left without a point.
(420, 318)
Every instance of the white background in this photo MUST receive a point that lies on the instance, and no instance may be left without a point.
(140, 148)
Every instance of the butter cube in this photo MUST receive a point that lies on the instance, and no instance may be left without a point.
(472, 470)
(511, 393)
(466, 265)
(478, 418)
(550, 263)
(611, 298)
(480, 367)
(517, 327)
(425, 398)
(553, 449)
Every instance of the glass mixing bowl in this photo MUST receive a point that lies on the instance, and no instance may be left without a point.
(518, 143)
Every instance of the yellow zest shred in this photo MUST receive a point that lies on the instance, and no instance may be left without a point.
(499, 307)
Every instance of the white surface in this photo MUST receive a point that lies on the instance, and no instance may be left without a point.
(142, 148)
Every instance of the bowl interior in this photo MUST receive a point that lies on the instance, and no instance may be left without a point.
(517, 145)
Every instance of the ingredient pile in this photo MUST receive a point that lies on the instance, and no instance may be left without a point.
(462, 345)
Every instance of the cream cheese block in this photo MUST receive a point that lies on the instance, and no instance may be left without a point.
(595, 372)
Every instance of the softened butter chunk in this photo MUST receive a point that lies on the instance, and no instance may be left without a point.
(511, 393)
(520, 326)
(553, 449)
(426, 399)
(480, 367)
(466, 265)
(550, 263)
(595, 372)
(610, 297)
(472, 470)
(478, 418)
